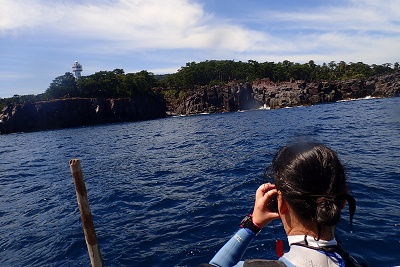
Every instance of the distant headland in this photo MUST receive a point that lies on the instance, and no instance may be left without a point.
(206, 87)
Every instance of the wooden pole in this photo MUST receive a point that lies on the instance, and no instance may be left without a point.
(86, 214)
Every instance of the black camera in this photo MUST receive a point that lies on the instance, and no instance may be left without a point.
(272, 203)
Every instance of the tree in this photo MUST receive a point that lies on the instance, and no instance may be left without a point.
(63, 86)
(119, 71)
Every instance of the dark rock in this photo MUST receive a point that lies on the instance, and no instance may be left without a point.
(263, 92)
(78, 112)
(386, 85)
(231, 97)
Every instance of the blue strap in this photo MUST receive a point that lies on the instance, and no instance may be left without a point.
(335, 255)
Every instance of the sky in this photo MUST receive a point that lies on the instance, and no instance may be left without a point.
(41, 39)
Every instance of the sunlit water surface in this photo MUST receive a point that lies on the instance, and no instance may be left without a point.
(170, 192)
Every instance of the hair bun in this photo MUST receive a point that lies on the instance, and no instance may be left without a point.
(327, 211)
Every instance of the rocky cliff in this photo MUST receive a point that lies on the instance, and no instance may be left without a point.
(78, 112)
(264, 93)
(231, 97)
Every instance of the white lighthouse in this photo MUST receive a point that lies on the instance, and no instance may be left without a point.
(77, 69)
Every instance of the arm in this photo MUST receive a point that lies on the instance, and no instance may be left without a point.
(231, 253)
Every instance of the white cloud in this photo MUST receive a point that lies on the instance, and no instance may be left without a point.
(127, 24)
(168, 33)
(357, 15)
(14, 75)
(121, 26)
(359, 30)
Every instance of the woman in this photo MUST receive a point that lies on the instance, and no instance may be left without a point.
(310, 187)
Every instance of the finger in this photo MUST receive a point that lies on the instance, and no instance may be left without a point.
(262, 201)
(268, 186)
(260, 191)
(264, 189)
(272, 192)
(266, 198)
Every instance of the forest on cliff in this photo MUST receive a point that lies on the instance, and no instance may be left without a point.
(118, 84)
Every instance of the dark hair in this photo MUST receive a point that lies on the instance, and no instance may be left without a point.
(312, 180)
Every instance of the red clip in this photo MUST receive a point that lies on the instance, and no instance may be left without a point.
(279, 248)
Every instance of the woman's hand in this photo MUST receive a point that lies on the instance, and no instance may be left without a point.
(261, 214)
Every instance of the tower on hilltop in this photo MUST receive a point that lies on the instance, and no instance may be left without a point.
(77, 69)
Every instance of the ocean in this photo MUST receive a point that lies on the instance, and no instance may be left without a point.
(172, 191)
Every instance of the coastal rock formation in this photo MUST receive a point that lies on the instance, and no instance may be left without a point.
(232, 97)
(66, 113)
(385, 85)
(208, 99)
(264, 93)
(299, 93)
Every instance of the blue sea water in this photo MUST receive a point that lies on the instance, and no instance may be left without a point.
(171, 192)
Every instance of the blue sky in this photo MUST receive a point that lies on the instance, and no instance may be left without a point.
(41, 39)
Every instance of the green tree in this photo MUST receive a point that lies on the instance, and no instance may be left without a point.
(63, 86)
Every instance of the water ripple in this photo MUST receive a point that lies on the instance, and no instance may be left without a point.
(170, 192)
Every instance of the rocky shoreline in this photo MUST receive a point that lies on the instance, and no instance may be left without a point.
(264, 93)
(65, 113)
(77, 112)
